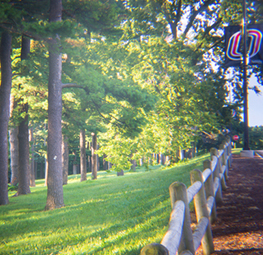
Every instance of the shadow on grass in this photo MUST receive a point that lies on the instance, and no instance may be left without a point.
(109, 213)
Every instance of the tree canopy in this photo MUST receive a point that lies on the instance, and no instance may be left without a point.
(146, 76)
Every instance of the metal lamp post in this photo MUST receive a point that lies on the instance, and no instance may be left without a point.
(245, 62)
(246, 150)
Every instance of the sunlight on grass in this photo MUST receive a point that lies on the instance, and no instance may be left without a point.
(236, 150)
(110, 215)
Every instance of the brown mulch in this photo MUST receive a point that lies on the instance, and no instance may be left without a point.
(239, 225)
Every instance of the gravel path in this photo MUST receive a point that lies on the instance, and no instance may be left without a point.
(239, 225)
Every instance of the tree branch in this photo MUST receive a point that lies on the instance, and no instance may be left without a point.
(212, 27)
(15, 31)
(195, 13)
(71, 85)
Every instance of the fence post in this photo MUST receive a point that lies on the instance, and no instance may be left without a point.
(209, 188)
(223, 162)
(218, 194)
(229, 146)
(220, 162)
(178, 191)
(154, 249)
(201, 211)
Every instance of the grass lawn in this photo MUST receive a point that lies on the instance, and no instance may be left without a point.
(111, 215)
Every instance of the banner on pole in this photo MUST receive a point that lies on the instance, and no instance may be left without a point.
(234, 42)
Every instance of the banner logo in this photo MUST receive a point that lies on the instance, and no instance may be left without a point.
(234, 54)
(233, 48)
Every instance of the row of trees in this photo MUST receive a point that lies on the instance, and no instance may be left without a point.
(141, 76)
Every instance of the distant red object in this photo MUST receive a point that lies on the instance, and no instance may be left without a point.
(235, 137)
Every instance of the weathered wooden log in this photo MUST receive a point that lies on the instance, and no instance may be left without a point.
(199, 233)
(224, 160)
(214, 163)
(202, 213)
(154, 249)
(171, 239)
(210, 204)
(206, 190)
(209, 189)
(186, 253)
(218, 189)
(193, 190)
(178, 192)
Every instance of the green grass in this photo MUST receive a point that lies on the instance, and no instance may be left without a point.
(111, 215)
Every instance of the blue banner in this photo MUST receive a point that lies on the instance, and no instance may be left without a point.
(234, 44)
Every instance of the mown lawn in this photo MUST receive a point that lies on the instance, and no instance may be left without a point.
(111, 215)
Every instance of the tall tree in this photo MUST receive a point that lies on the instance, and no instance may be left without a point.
(65, 159)
(94, 156)
(23, 134)
(54, 179)
(14, 156)
(13, 141)
(23, 169)
(83, 164)
(6, 81)
(32, 160)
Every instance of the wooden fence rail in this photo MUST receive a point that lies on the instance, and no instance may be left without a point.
(206, 192)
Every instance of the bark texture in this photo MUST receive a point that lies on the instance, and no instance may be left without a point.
(6, 81)
(75, 165)
(32, 161)
(54, 178)
(13, 145)
(83, 164)
(65, 159)
(105, 163)
(23, 169)
(94, 156)
(14, 155)
(133, 167)
(23, 135)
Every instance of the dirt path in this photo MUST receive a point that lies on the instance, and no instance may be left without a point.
(239, 226)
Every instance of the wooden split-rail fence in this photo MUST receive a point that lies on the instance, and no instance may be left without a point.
(206, 191)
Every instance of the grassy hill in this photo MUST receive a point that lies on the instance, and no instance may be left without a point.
(111, 215)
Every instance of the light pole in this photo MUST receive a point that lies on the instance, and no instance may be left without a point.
(246, 136)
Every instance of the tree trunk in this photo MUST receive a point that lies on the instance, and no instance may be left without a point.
(75, 165)
(42, 171)
(45, 159)
(193, 149)
(46, 169)
(23, 143)
(32, 161)
(98, 159)
(105, 163)
(133, 162)
(14, 156)
(120, 173)
(5, 89)
(35, 167)
(160, 158)
(89, 159)
(23, 169)
(54, 179)
(13, 144)
(83, 164)
(94, 156)
(65, 159)
(133, 167)
(75, 168)
(182, 155)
